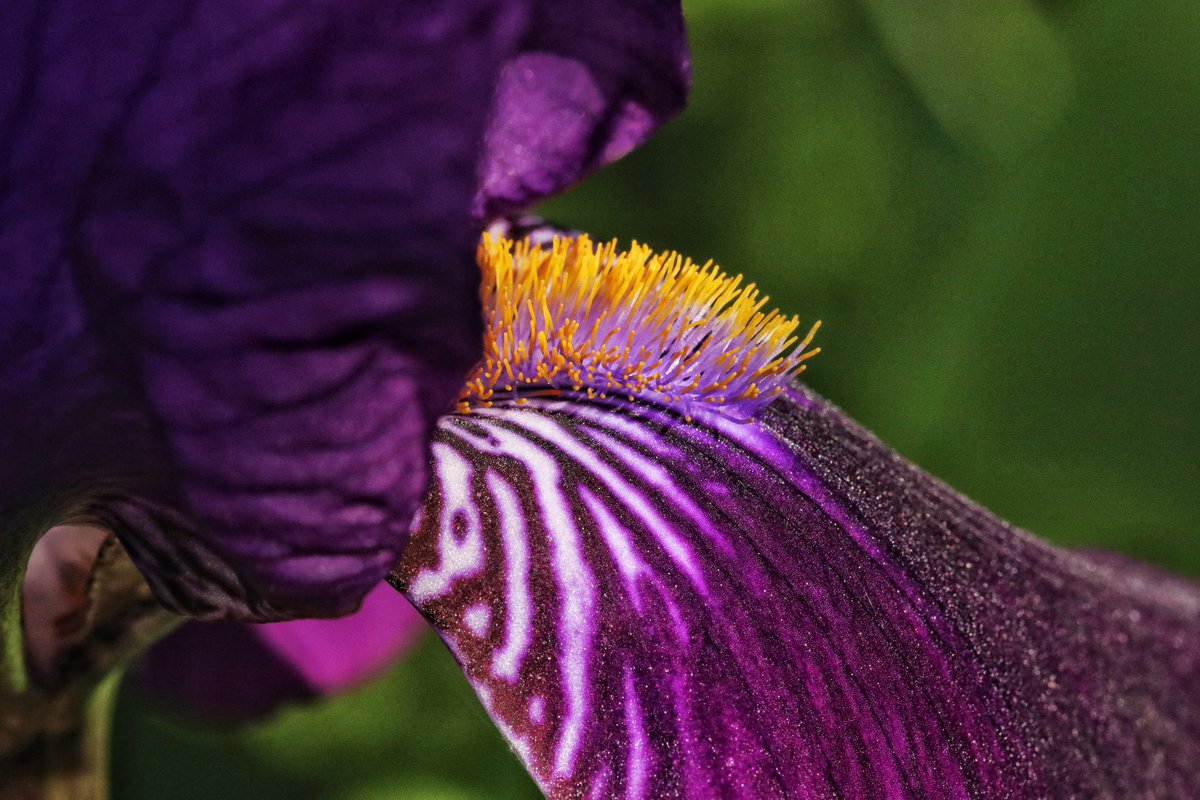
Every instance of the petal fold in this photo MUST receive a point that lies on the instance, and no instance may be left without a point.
(655, 607)
(590, 81)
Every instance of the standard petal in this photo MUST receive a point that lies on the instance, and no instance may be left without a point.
(592, 80)
(654, 608)
(237, 284)
(239, 671)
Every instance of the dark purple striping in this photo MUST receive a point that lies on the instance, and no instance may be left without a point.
(785, 608)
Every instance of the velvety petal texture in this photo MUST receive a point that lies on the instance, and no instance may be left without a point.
(659, 607)
(237, 285)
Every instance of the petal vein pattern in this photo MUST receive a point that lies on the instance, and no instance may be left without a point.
(462, 551)
(645, 617)
(634, 500)
(784, 608)
(576, 583)
(507, 662)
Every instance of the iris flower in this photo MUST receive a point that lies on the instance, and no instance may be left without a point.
(667, 567)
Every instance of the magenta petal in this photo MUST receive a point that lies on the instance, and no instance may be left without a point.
(239, 671)
(334, 654)
(651, 607)
(590, 82)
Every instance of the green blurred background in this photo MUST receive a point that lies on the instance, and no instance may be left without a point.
(994, 206)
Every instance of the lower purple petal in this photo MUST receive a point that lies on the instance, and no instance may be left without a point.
(650, 607)
(239, 671)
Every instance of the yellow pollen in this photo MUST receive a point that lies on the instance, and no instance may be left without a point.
(584, 317)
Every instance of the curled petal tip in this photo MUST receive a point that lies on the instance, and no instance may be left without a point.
(589, 82)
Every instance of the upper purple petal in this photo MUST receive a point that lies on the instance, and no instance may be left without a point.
(238, 282)
(237, 278)
(591, 81)
(656, 607)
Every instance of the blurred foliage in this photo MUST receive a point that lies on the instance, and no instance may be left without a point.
(994, 206)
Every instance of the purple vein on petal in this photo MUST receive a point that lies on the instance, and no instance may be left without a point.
(773, 604)
(513, 532)
(462, 546)
(638, 758)
(679, 550)
(576, 583)
(657, 477)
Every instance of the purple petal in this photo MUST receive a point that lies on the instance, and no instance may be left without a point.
(785, 608)
(238, 283)
(238, 671)
(592, 81)
(218, 670)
